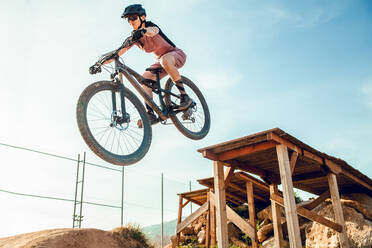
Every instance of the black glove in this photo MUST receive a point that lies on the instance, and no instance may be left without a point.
(138, 34)
(94, 69)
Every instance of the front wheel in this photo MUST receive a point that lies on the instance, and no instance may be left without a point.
(194, 122)
(103, 129)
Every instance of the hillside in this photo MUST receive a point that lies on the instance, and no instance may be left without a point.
(154, 231)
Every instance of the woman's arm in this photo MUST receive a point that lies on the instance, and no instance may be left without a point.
(151, 31)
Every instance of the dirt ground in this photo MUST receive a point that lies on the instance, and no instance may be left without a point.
(67, 238)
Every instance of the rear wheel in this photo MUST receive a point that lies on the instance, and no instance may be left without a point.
(114, 140)
(194, 122)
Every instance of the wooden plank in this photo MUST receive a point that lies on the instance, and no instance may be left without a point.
(293, 161)
(279, 140)
(229, 173)
(357, 180)
(335, 168)
(235, 199)
(179, 219)
(243, 151)
(187, 202)
(241, 189)
(255, 181)
(220, 199)
(289, 200)
(237, 220)
(208, 224)
(247, 167)
(209, 155)
(337, 208)
(309, 214)
(213, 223)
(276, 216)
(192, 217)
(314, 203)
(251, 210)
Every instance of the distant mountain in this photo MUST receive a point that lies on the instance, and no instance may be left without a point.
(155, 230)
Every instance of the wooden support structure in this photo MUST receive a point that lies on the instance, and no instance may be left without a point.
(221, 217)
(213, 224)
(289, 200)
(192, 217)
(280, 158)
(336, 203)
(252, 211)
(309, 214)
(276, 215)
(237, 220)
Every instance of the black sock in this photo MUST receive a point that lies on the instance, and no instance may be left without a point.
(180, 87)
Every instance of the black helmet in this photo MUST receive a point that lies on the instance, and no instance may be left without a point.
(133, 9)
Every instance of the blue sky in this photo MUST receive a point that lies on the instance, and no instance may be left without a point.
(305, 67)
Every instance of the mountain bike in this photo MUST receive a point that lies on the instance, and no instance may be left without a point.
(113, 121)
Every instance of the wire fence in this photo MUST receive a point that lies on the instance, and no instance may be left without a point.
(30, 203)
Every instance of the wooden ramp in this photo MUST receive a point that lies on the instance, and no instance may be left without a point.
(241, 188)
(279, 158)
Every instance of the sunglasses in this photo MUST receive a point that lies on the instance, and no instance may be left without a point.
(132, 18)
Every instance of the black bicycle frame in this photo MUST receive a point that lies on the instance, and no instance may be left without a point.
(135, 79)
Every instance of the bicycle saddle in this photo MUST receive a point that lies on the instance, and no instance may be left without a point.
(154, 69)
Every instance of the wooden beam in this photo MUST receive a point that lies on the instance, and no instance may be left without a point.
(241, 189)
(289, 200)
(357, 180)
(251, 210)
(276, 216)
(255, 181)
(213, 222)
(279, 140)
(220, 199)
(335, 168)
(187, 202)
(208, 224)
(293, 161)
(243, 151)
(309, 214)
(229, 173)
(316, 202)
(179, 219)
(209, 155)
(191, 218)
(337, 208)
(234, 199)
(237, 220)
(247, 167)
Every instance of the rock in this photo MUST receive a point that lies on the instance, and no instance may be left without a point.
(169, 246)
(270, 243)
(264, 223)
(188, 230)
(232, 230)
(198, 227)
(239, 243)
(173, 241)
(263, 233)
(201, 237)
(266, 214)
(359, 230)
(361, 202)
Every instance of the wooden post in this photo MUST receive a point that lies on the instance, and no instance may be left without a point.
(251, 210)
(276, 214)
(337, 208)
(179, 220)
(221, 216)
(213, 224)
(289, 200)
(208, 224)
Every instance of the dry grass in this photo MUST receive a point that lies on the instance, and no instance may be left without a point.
(131, 236)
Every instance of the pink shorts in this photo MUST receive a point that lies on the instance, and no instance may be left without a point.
(179, 56)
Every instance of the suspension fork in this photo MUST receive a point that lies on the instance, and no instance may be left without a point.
(124, 116)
